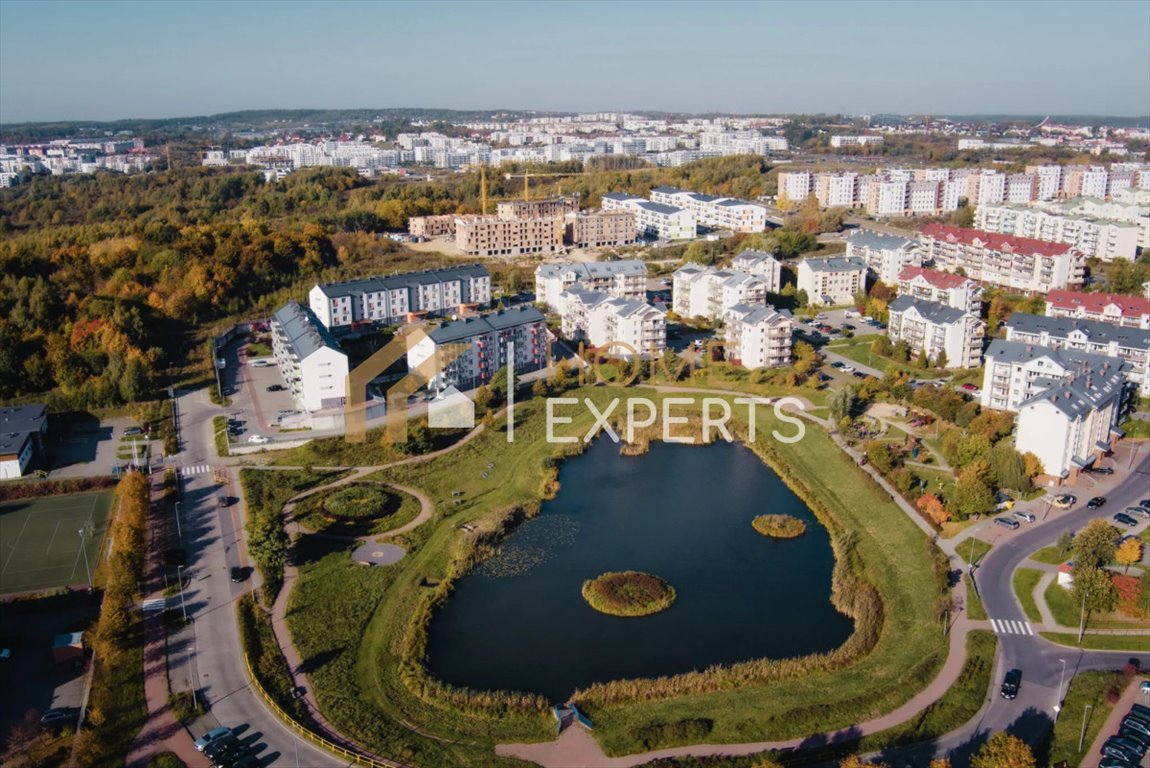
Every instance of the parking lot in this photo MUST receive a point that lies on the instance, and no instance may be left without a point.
(254, 409)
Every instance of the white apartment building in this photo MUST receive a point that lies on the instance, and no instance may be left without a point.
(1099, 238)
(1069, 403)
(309, 358)
(833, 281)
(699, 291)
(923, 198)
(934, 328)
(623, 279)
(483, 342)
(1017, 263)
(621, 325)
(837, 142)
(941, 288)
(837, 190)
(757, 336)
(400, 298)
(710, 211)
(655, 220)
(1048, 180)
(795, 186)
(886, 197)
(1112, 308)
(886, 256)
(1120, 211)
(1130, 344)
(762, 265)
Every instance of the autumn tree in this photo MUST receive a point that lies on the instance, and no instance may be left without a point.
(1094, 589)
(1094, 545)
(1128, 553)
(931, 506)
(1002, 750)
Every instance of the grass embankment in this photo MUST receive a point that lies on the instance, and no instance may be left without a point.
(858, 349)
(972, 550)
(974, 606)
(1069, 614)
(116, 706)
(1025, 580)
(266, 493)
(874, 534)
(358, 509)
(1049, 556)
(628, 593)
(267, 661)
(374, 450)
(220, 430)
(779, 526)
(1086, 689)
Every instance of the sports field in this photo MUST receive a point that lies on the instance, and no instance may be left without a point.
(40, 540)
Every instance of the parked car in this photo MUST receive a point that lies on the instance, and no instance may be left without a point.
(286, 411)
(1024, 516)
(837, 364)
(260, 363)
(58, 717)
(1144, 688)
(1011, 683)
(848, 327)
(1145, 503)
(238, 574)
(1136, 724)
(1115, 762)
(969, 387)
(859, 375)
(1138, 511)
(1103, 470)
(848, 368)
(1125, 519)
(276, 387)
(211, 737)
(1096, 502)
(1065, 501)
(221, 747)
(1118, 746)
(258, 440)
(1006, 522)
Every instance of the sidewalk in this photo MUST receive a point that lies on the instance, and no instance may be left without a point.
(161, 732)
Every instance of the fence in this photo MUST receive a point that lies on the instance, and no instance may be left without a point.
(353, 758)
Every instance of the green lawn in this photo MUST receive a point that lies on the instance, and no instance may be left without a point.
(1136, 428)
(1101, 642)
(1025, 580)
(220, 428)
(974, 606)
(1062, 605)
(397, 509)
(1086, 689)
(973, 549)
(372, 689)
(858, 349)
(1049, 556)
(41, 540)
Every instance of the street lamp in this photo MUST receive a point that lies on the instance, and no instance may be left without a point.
(179, 532)
(87, 568)
(1061, 677)
(1082, 735)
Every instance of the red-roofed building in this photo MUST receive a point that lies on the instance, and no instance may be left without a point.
(940, 287)
(1015, 263)
(1113, 308)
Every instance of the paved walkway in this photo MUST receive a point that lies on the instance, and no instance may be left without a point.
(162, 732)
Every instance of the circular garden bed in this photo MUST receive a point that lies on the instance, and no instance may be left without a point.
(360, 503)
(779, 526)
(628, 593)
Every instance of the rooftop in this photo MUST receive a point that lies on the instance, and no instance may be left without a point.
(1064, 327)
(377, 283)
(303, 331)
(581, 269)
(994, 241)
(1127, 306)
(937, 278)
(869, 238)
(22, 418)
(459, 330)
(939, 314)
(835, 264)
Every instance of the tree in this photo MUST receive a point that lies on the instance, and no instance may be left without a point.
(941, 360)
(539, 388)
(931, 506)
(1094, 588)
(963, 217)
(880, 456)
(1034, 466)
(484, 397)
(1003, 750)
(1094, 545)
(1128, 553)
(921, 361)
(1065, 543)
(972, 497)
(1008, 468)
(840, 403)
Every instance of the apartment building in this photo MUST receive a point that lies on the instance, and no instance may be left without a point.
(717, 212)
(1048, 180)
(1123, 211)
(762, 265)
(699, 291)
(1069, 403)
(796, 186)
(400, 298)
(654, 220)
(832, 281)
(624, 279)
(885, 196)
(1098, 238)
(483, 342)
(600, 229)
(1112, 308)
(309, 358)
(1016, 263)
(757, 336)
(625, 326)
(493, 236)
(838, 142)
(942, 288)
(432, 226)
(886, 256)
(551, 208)
(837, 190)
(934, 328)
(1130, 344)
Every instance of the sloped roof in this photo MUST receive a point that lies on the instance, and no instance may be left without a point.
(939, 314)
(1063, 327)
(380, 283)
(466, 328)
(304, 333)
(1128, 306)
(583, 269)
(869, 238)
(22, 418)
(936, 277)
(995, 241)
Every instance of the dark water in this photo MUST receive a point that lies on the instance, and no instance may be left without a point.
(680, 512)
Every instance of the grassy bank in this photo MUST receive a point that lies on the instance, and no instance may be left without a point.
(491, 477)
(1025, 580)
(1132, 642)
(1061, 605)
(974, 605)
(972, 550)
(1086, 689)
(220, 430)
(264, 655)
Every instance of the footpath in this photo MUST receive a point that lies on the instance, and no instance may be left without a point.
(162, 732)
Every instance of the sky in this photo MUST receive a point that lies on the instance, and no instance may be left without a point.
(94, 60)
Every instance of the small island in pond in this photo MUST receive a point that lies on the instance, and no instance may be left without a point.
(779, 526)
(628, 593)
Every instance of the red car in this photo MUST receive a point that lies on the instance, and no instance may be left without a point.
(969, 387)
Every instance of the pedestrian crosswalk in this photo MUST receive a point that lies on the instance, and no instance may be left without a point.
(199, 469)
(1006, 627)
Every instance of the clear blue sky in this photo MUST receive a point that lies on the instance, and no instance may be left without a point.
(107, 60)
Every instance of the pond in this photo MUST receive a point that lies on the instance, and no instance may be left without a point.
(681, 512)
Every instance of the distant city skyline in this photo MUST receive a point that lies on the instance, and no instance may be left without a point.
(122, 60)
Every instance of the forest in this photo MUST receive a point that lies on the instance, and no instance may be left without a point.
(107, 281)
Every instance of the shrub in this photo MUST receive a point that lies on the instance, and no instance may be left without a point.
(689, 731)
(359, 502)
(779, 526)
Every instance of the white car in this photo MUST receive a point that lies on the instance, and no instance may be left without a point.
(847, 369)
(260, 363)
(258, 439)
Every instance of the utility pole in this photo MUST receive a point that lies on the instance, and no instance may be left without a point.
(1058, 703)
(87, 568)
(179, 532)
(180, 578)
(1082, 620)
(1082, 735)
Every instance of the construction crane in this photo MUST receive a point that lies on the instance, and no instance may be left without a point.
(527, 175)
